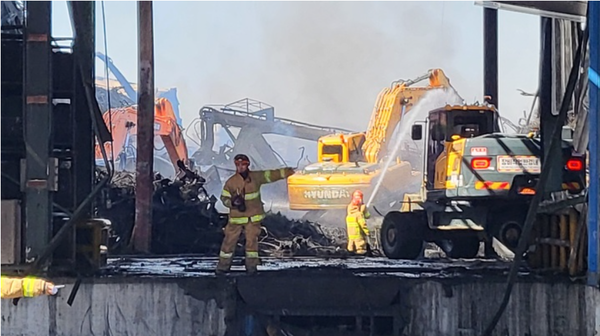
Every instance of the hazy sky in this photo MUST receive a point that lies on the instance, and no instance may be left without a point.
(319, 62)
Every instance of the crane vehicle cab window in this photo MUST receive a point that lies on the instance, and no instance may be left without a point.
(472, 123)
(437, 123)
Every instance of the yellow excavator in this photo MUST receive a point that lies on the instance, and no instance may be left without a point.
(347, 162)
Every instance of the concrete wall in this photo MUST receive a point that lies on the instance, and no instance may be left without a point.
(534, 309)
(120, 308)
(207, 307)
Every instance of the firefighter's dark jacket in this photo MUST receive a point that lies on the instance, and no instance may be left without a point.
(249, 189)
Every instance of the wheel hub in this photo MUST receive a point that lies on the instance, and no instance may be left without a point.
(510, 234)
(391, 235)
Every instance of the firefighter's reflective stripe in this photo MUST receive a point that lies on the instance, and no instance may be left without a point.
(352, 220)
(238, 220)
(492, 185)
(250, 254)
(245, 220)
(268, 176)
(225, 193)
(28, 287)
(252, 196)
(225, 254)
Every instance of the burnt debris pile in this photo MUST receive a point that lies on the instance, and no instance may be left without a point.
(185, 221)
(283, 237)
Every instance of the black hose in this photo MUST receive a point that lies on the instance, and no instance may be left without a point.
(540, 187)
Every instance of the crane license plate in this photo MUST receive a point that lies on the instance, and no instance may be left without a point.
(530, 164)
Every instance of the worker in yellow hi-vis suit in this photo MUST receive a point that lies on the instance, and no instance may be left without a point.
(356, 224)
(18, 287)
(241, 194)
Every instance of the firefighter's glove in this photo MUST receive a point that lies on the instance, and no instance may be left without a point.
(51, 289)
(238, 202)
(289, 171)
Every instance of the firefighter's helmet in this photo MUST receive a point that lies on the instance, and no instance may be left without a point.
(241, 158)
(357, 195)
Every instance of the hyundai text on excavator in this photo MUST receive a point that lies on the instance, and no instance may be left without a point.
(347, 162)
(477, 183)
(121, 122)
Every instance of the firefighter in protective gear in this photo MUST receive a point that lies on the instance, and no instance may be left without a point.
(241, 194)
(18, 287)
(356, 224)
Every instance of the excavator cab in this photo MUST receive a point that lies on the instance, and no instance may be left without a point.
(341, 147)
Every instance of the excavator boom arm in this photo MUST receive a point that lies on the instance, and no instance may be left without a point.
(391, 105)
(165, 126)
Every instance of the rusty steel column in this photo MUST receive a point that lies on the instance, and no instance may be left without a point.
(142, 231)
(37, 128)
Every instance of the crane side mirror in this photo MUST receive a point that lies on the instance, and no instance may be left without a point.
(416, 132)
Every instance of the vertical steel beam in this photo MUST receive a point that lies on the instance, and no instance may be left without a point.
(594, 117)
(142, 234)
(83, 15)
(37, 127)
(547, 102)
(490, 54)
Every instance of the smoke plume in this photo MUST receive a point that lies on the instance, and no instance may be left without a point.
(325, 62)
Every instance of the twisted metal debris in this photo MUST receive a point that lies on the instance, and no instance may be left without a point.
(186, 222)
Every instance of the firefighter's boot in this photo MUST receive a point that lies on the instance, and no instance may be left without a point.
(224, 265)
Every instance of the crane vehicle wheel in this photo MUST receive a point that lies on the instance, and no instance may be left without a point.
(401, 235)
(510, 233)
(463, 247)
(507, 226)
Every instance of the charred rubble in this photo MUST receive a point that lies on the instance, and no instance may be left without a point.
(185, 221)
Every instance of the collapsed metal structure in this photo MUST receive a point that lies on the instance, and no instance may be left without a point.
(254, 119)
